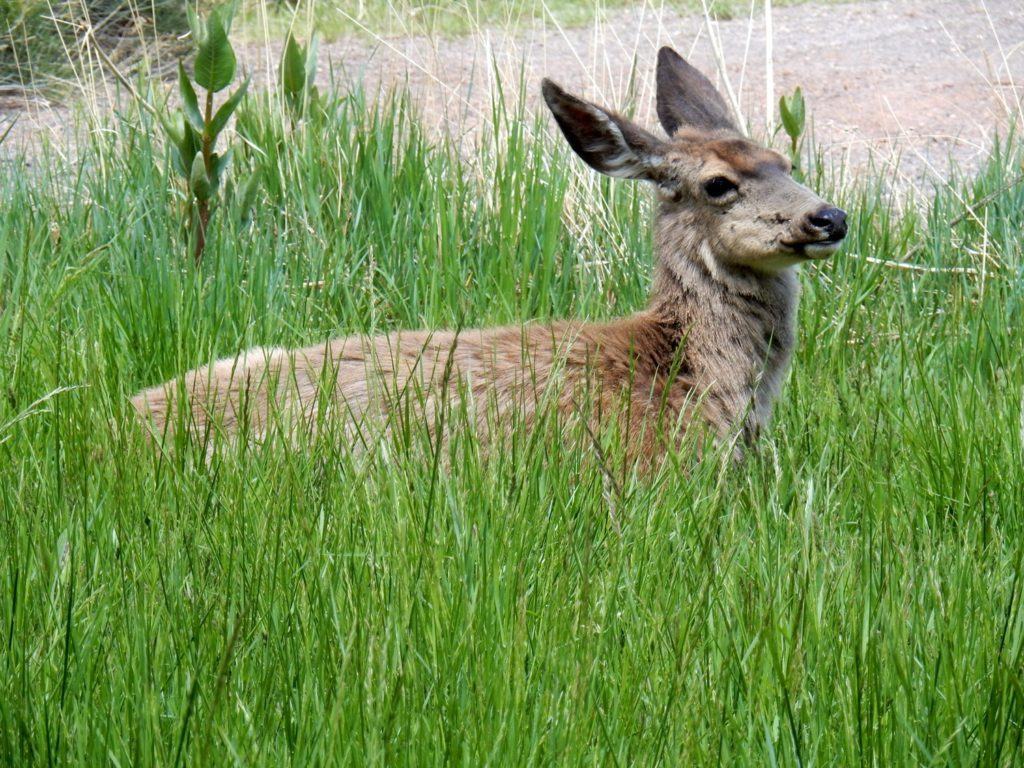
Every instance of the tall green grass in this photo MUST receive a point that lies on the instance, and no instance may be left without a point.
(850, 594)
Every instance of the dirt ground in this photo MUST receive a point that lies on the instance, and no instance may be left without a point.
(916, 80)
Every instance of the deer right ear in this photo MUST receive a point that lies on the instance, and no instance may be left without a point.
(687, 98)
(607, 142)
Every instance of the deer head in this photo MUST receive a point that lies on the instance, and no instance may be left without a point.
(723, 198)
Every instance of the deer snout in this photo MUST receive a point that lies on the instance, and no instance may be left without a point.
(828, 224)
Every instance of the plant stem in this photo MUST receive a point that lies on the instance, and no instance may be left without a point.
(204, 205)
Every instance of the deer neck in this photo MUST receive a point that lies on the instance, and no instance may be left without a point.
(736, 330)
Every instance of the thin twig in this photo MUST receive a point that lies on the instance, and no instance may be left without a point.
(918, 267)
(123, 80)
(971, 211)
(985, 200)
(6, 133)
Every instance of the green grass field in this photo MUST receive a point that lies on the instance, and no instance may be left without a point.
(849, 595)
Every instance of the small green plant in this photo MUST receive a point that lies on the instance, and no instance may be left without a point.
(298, 73)
(195, 130)
(793, 111)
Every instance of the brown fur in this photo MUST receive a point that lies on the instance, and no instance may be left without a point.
(511, 369)
(715, 339)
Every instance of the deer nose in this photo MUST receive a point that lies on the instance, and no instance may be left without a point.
(831, 222)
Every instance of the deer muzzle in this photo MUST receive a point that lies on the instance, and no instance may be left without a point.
(820, 233)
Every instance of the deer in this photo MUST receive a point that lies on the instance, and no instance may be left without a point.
(708, 354)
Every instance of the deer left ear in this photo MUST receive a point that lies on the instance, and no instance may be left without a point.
(607, 142)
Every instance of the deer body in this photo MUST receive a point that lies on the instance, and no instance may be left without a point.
(712, 347)
(701, 346)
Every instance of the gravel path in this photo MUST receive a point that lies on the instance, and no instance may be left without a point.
(922, 81)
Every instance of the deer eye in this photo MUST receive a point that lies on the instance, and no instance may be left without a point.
(719, 187)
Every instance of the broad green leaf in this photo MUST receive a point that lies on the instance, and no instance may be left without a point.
(191, 143)
(798, 108)
(784, 114)
(174, 133)
(788, 123)
(298, 72)
(220, 164)
(186, 142)
(190, 102)
(215, 59)
(198, 180)
(221, 117)
(293, 68)
(791, 110)
(195, 138)
(179, 162)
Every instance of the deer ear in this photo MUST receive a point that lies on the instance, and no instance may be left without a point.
(687, 98)
(607, 142)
